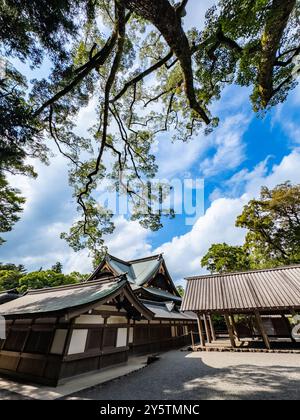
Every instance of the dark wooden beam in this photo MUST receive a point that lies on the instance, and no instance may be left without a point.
(262, 330)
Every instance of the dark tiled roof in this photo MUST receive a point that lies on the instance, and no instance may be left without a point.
(162, 311)
(161, 293)
(8, 295)
(65, 298)
(270, 289)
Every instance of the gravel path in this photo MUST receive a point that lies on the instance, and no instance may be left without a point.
(197, 376)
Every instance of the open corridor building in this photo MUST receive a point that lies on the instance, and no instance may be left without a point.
(263, 300)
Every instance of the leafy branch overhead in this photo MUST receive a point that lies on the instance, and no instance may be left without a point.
(145, 73)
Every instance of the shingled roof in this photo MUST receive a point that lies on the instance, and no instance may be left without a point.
(139, 272)
(67, 299)
(264, 290)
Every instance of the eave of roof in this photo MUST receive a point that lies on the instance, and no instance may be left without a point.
(263, 290)
(161, 293)
(72, 299)
(161, 312)
(237, 273)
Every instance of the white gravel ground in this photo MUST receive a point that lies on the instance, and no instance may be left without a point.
(201, 376)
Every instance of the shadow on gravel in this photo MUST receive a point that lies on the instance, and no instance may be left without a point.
(176, 377)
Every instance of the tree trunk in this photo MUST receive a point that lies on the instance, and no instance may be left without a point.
(270, 43)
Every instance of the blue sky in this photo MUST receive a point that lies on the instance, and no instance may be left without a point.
(244, 153)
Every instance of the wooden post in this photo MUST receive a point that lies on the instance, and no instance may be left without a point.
(262, 330)
(289, 327)
(230, 330)
(207, 330)
(212, 328)
(192, 339)
(201, 332)
(234, 327)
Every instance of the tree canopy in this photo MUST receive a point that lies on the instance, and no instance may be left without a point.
(223, 258)
(273, 237)
(106, 50)
(15, 277)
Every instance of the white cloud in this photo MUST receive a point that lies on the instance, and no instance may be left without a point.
(184, 253)
(228, 144)
(129, 241)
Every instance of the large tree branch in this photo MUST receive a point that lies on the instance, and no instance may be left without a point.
(94, 62)
(120, 30)
(142, 75)
(168, 21)
(270, 42)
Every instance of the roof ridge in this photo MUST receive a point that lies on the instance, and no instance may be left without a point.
(236, 273)
(117, 259)
(152, 257)
(77, 285)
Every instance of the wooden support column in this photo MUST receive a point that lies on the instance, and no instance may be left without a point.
(289, 327)
(207, 329)
(201, 331)
(234, 327)
(230, 330)
(262, 330)
(212, 328)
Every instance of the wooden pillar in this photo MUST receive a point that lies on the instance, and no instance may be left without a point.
(262, 330)
(212, 328)
(289, 327)
(201, 332)
(230, 330)
(234, 327)
(207, 329)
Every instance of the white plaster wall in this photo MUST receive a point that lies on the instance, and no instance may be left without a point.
(130, 335)
(117, 320)
(78, 341)
(122, 337)
(89, 319)
(59, 342)
(173, 329)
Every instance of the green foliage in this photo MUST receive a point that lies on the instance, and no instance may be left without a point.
(10, 206)
(9, 279)
(13, 267)
(223, 258)
(273, 224)
(15, 277)
(180, 290)
(244, 42)
(57, 267)
(48, 278)
(273, 238)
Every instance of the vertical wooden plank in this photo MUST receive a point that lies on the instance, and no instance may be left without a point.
(24, 343)
(201, 331)
(212, 328)
(262, 330)
(207, 329)
(192, 339)
(230, 330)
